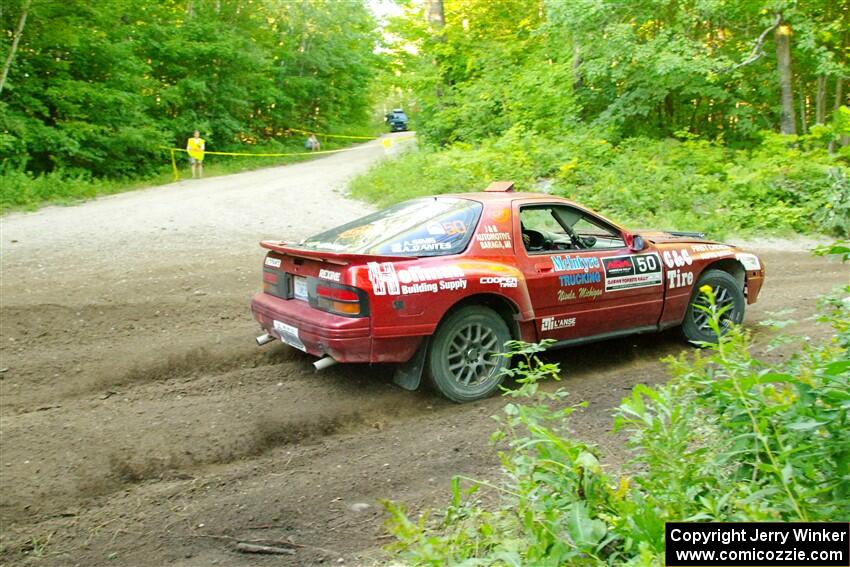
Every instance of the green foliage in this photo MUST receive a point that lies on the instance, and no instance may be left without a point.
(655, 113)
(23, 190)
(690, 184)
(642, 68)
(96, 89)
(492, 66)
(840, 248)
(729, 438)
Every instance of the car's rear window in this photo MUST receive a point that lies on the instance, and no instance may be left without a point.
(422, 227)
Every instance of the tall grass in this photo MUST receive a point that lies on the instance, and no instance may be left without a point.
(729, 438)
(774, 188)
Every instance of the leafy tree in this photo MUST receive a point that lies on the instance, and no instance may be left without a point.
(649, 67)
(97, 88)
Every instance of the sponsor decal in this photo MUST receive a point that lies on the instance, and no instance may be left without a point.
(553, 324)
(629, 272)
(502, 281)
(679, 278)
(490, 237)
(452, 285)
(749, 261)
(589, 292)
(386, 280)
(273, 262)
(420, 245)
(583, 293)
(454, 227)
(677, 258)
(501, 215)
(564, 295)
(574, 263)
(713, 255)
(569, 280)
(709, 247)
(330, 275)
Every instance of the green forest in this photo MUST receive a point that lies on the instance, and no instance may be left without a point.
(720, 115)
(92, 91)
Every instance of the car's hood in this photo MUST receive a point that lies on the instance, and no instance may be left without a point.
(675, 237)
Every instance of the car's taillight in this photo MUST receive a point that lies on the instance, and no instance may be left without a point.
(339, 299)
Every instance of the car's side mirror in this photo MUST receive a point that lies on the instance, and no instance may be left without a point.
(637, 243)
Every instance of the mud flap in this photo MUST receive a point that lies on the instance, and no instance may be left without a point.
(408, 375)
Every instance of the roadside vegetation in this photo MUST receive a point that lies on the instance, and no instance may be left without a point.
(771, 188)
(729, 438)
(91, 92)
(725, 117)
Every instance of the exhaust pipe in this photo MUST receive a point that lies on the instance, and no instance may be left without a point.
(264, 339)
(323, 363)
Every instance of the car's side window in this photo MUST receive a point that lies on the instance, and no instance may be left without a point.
(596, 235)
(557, 227)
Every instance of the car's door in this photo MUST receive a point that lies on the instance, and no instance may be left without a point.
(583, 280)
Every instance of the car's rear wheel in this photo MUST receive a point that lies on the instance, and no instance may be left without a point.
(728, 295)
(463, 359)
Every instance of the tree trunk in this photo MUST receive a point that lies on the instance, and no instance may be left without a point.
(576, 67)
(18, 33)
(787, 120)
(803, 123)
(839, 94)
(435, 15)
(436, 18)
(820, 100)
(839, 101)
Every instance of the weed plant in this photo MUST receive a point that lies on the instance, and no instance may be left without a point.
(776, 187)
(729, 438)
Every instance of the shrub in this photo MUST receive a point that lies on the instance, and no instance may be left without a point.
(692, 184)
(728, 438)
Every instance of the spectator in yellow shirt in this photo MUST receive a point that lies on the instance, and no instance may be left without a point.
(195, 148)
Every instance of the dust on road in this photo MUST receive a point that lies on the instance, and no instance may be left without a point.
(141, 425)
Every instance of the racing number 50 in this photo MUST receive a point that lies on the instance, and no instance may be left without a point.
(646, 263)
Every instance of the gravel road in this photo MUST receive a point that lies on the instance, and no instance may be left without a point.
(140, 425)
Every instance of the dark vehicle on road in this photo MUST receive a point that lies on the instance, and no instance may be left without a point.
(439, 284)
(397, 120)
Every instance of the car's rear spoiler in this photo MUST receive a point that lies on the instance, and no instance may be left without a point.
(341, 258)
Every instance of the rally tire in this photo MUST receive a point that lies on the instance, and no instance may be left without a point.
(463, 362)
(727, 292)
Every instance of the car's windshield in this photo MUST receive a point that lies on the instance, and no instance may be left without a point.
(422, 227)
(399, 116)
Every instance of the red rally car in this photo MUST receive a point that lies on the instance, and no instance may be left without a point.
(439, 285)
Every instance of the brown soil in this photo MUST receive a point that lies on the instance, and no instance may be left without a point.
(141, 426)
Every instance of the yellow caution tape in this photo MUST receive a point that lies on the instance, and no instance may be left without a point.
(387, 142)
(307, 153)
(332, 135)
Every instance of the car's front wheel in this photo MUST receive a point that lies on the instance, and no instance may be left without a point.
(463, 359)
(728, 297)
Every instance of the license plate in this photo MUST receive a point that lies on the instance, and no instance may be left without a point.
(289, 335)
(300, 288)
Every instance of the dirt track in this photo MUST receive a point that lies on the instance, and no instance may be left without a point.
(141, 426)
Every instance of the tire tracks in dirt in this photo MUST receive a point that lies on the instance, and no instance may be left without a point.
(138, 418)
